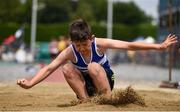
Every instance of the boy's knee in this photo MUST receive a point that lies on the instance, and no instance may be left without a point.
(67, 70)
(94, 68)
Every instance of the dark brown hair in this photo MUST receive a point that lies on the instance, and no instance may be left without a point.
(79, 30)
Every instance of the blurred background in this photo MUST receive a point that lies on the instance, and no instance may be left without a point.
(34, 32)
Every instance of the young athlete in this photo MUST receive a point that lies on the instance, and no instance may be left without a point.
(89, 71)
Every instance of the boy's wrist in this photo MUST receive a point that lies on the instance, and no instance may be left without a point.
(161, 46)
(31, 84)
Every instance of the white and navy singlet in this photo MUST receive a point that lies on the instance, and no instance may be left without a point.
(95, 57)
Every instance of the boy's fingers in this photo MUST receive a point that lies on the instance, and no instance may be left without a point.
(174, 42)
(18, 81)
(174, 39)
(21, 81)
(169, 35)
(173, 36)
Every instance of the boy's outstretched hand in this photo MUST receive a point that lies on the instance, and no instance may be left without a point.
(24, 83)
(170, 40)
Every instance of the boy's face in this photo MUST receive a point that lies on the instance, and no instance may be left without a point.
(83, 47)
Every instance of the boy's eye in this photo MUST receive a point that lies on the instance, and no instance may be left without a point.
(77, 45)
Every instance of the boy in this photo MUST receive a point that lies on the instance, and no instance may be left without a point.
(89, 71)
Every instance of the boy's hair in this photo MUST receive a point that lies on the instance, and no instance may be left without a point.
(79, 30)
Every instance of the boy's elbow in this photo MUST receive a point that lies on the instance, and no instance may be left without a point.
(47, 69)
(130, 46)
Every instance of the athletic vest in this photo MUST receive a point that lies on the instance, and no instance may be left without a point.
(95, 57)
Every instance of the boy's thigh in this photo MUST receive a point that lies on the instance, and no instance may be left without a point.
(70, 71)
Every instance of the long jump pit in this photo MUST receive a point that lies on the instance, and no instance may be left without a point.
(56, 95)
(59, 97)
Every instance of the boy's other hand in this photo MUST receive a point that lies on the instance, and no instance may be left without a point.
(24, 83)
(170, 40)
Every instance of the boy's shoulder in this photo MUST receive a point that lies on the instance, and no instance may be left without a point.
(69, 53)
(68, 50)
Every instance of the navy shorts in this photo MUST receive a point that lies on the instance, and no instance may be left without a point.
(90, 87)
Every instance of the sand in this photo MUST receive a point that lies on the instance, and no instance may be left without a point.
(59, 97)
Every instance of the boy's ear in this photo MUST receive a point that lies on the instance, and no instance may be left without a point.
(92, 37)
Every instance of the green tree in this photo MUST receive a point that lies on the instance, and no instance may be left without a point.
(54, 11)
(10, 10)
(129, 13)
(99, 9)
(84, 10)
(25, 15)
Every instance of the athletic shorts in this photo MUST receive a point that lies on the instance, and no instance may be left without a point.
(90, 87)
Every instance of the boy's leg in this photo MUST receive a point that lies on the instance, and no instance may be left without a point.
(75, 80)
(99, 77)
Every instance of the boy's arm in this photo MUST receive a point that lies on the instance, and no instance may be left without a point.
(117, 44)
(46, 71)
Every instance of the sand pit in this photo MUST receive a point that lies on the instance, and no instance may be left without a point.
(59, 97)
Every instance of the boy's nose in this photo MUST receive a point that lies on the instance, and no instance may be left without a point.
(82, 49)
